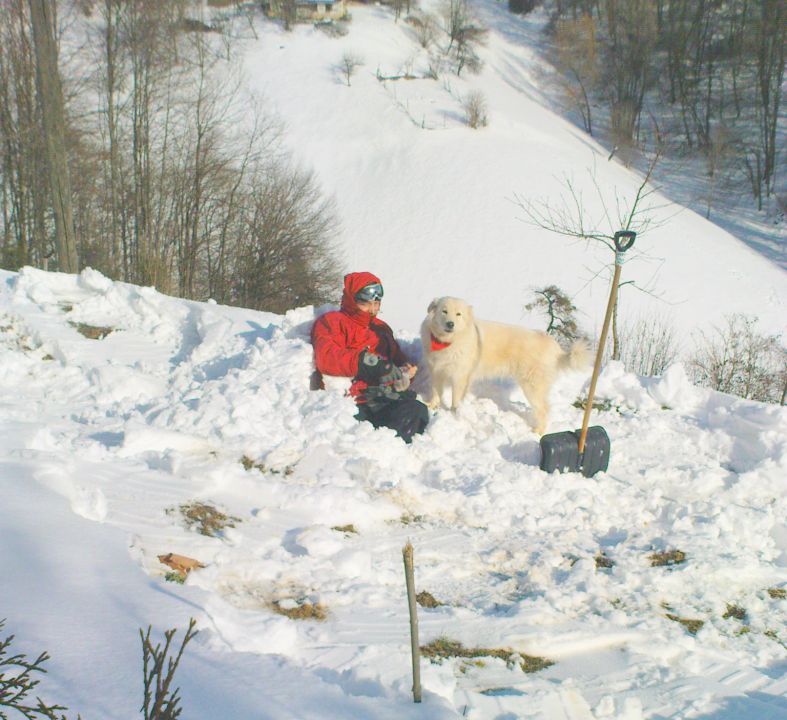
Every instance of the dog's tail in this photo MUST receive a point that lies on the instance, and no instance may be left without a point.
(578, 357)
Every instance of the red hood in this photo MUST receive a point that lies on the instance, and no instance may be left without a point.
(353, 282)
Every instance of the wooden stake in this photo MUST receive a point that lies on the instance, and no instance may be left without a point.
(409, 576)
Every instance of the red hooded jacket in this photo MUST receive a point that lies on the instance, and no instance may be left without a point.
(339, 337)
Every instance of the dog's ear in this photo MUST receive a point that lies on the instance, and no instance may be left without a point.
(432, 306)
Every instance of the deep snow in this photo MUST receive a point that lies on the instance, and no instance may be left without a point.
(103, 441)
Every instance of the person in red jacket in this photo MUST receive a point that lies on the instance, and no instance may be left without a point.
(353, 342)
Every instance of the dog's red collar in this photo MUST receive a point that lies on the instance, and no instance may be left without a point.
(437, 344)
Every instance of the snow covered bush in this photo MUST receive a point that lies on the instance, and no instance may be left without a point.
(736, 359)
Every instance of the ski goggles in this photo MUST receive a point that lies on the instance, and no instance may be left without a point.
(370, 293)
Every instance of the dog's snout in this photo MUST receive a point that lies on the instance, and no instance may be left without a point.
(449, 325)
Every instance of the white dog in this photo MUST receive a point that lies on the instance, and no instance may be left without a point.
(459, 348)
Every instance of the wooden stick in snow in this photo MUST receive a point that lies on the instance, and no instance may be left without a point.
(409, 575)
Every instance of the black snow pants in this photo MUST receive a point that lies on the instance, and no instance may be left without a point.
(403, 413)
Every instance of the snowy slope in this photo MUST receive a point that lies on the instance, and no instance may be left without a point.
(103, 440)
(429, 204)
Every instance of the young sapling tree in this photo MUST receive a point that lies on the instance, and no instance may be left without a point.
(570, 219)
(349, 63)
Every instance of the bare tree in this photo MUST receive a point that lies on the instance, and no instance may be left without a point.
(714, 64)
(289, 13)
(425, 27)
(285, 254)
(113, 68)
(771, 36)
(576, 56)
(570, 219)
(631, 31)
(718, 154)
(349, 63)
(151, 44)
(23, 175)
(465, 35)
(230, 198)
(171, 189)
(50, 94)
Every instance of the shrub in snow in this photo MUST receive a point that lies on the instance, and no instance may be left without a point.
(648, 346)
(736, 359)
(474, 105)
(560, 312)
(17, 682)
(159, 668)
(425, 27)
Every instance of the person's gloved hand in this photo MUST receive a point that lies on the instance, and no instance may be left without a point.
(372, 368)
(376, 370)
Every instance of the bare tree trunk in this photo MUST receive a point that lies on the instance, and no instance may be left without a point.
(770, 73)
(118, 249)
(51, 97)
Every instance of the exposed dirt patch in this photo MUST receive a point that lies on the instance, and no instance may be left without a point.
(205, 518)
(249, 464)
(667, 558)
(92, 332)
(301, 611)
(692, 625)
(444, 648)
(346, 529)
(777, 593)
(735, 611)
(427, 600)
(603, 562)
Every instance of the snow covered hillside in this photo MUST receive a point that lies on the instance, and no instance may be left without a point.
(657, 589)
(429, 204)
